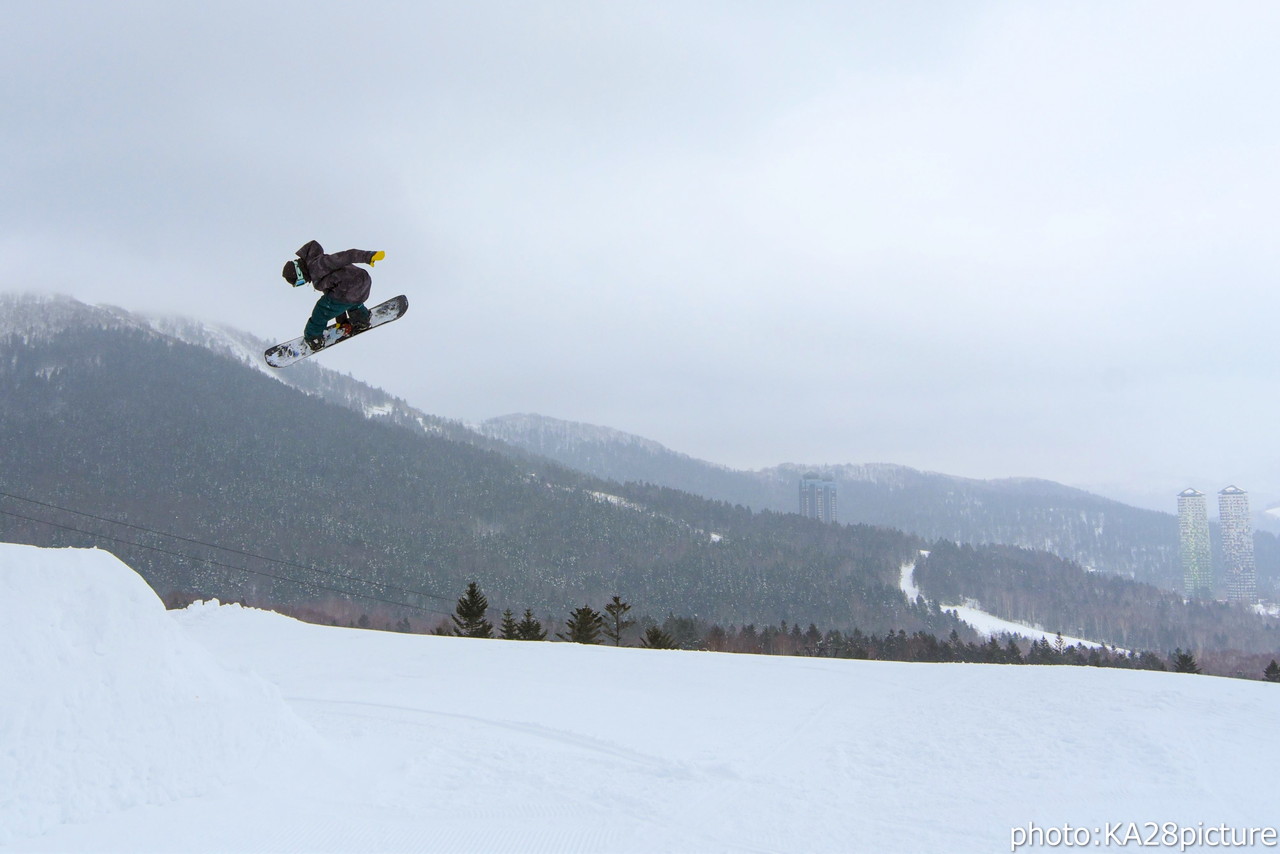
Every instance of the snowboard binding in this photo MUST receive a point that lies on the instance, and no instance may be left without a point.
(352, 322)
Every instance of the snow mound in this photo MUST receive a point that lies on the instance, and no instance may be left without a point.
(107, 704)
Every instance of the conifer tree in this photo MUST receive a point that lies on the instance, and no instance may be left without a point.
(812, 640)
(1041, 652)
(510, 629)
(468, 617)
(656, 638)
(583, 626)
(1012, 654)
(1272, 673)
(1184, 662)
(1150, 661)
(616, 624)
(529, 628)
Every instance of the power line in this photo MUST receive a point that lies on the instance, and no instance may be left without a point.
(213, 562)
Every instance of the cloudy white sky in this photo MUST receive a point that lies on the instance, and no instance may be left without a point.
(984, 238)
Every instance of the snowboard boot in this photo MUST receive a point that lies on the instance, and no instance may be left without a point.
(359, 319)
(315, 343)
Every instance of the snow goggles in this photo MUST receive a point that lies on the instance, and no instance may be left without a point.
(297, 269)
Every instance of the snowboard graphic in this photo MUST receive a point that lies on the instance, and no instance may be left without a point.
(296, 350)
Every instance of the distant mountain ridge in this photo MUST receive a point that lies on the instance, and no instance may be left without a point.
(622, 457)
(553, 433)
(1096, 532)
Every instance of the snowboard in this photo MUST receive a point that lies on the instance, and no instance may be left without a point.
(296, 350)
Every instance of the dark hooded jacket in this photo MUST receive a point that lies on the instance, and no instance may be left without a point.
(336, 275)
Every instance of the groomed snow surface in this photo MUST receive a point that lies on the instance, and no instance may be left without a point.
(126, 728)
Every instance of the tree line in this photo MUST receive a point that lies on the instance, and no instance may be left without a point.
(586, 625)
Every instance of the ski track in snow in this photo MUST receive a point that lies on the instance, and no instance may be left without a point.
(984, 622)
(224, 729)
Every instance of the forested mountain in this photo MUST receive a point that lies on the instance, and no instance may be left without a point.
(624, 457)
(1037, 588)
(121, 419)
(1037, 514)
(301, 490)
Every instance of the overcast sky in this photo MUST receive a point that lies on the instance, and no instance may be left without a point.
(982, 238)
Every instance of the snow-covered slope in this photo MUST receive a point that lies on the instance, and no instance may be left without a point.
(128, 729)
(988, 624)
(106, 704)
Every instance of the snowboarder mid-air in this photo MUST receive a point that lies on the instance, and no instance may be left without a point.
(344, 286)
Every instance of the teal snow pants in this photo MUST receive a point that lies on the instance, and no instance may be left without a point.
(326, 309)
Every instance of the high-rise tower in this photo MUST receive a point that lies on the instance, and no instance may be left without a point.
(1193, 544)
(1237, 545)
(818, 497)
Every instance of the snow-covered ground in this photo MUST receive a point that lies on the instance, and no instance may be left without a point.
(124, 727)
(987, 624)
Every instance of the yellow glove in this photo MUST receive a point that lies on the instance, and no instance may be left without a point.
(377, 256)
